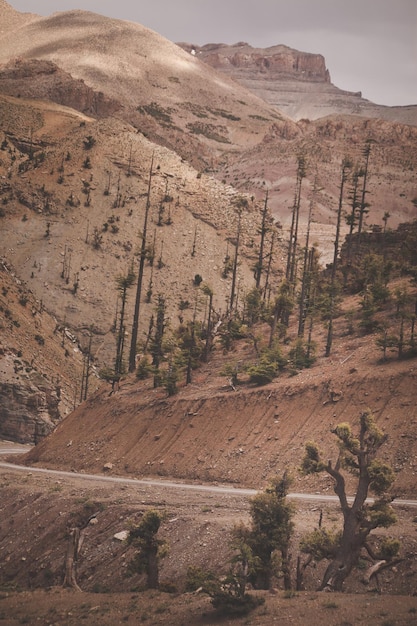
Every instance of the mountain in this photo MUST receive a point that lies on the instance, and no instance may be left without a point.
(297, 83)
(206, 117)
(163, 96)
(248, 345)
(86, 103)
(159, 88)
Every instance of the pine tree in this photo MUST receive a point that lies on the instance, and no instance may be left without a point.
(241, 204)
(149, 548)
(364, 205)
(293, 240)
(142, 258)
(156, 343)
(346, 165)
(123, 284)
(264, 229)
(269, 534)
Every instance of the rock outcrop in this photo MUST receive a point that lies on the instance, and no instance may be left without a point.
(28, 412)
(277, 61)
(44, 80)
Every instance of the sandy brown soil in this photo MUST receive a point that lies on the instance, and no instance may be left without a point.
(58, 606)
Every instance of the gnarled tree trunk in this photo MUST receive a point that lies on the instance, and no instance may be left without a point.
(73, 548)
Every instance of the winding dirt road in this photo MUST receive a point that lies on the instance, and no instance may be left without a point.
(6, 450)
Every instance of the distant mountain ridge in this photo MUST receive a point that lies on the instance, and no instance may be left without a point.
(297, 83)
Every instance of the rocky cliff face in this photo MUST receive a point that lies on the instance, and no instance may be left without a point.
(37, 385)
(297, 83)
(29, 404)
(276, 62)
(41, 79)
(28, 413)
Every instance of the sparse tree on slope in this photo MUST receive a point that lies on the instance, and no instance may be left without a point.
(269, 536)
(208, 291)
(293, 241)
(142, 258)
(156, 348)
(359, 457)
(123, 284)
(364, 205)
(150, 549)
(346, 165)
(241, 204)
(259, 268)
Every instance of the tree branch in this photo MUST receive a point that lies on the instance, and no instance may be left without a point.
(339, 487)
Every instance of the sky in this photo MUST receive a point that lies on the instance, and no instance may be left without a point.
(369, 45)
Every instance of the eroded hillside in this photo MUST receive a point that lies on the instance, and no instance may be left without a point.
(40, 366)
(259, 432)
(75, 181)
(73, 215)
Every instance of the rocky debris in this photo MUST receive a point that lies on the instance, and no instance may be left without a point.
(121, 536)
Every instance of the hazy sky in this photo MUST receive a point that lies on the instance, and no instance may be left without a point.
(369, 45)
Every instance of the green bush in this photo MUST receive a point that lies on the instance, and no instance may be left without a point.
(144, 369)
(227, 603)
(197, 578)
(263, 372)
(302, 355)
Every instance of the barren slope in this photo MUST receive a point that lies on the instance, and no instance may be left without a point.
(65, 224)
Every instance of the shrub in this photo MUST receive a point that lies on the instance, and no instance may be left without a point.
(89, 142)
(156, 111)
(198, 578)
(144, 369)
(263, 372)
(302, 354)
(228, 603)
